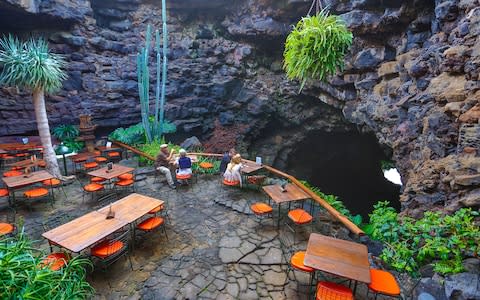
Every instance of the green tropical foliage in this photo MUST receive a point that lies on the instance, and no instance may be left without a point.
(335, 203)
(30, 64)
(153, 149)
(22, 275)
(136, 135)
(316, 47)
(68, 134)
(442, 240)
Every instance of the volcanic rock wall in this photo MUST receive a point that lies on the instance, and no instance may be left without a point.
(411, 79)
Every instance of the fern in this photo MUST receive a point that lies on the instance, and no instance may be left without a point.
(316, 47)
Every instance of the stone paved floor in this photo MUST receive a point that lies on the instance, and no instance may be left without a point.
(215, 248)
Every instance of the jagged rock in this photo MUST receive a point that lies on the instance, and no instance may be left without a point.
(191, 143)
(463, 286)
(448, 88)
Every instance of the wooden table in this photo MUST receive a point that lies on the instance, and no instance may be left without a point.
(83, 156)
(132, 207)
(19, 181)
(26, 163)
(293, 193)
(19, 146)
(250, 167)
(84, 231)
(339, 257)
(91, 228)
(116, 171)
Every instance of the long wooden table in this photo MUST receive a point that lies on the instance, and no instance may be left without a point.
(91, 228)
(26, 163)
(116, 171)
(84, 231)
(339, 257)
(21, 180)
(292, 193)
(132, 207)
(249, 167)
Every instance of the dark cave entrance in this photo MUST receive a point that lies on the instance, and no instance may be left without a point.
(345, 164)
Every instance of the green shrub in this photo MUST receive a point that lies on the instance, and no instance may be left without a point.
(135, 134)
(316, 47)
(153, 149)
(443, 241)
(22, 276)
(68, 135)
(335, 203)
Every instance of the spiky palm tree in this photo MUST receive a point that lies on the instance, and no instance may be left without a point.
(31, 65)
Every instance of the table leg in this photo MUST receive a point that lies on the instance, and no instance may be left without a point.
(355, 288)
(278, 221)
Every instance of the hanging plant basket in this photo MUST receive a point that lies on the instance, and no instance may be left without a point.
(316, 47)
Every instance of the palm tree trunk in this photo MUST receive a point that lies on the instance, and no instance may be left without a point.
(44, 133)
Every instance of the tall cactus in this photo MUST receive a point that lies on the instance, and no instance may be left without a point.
(155, 131)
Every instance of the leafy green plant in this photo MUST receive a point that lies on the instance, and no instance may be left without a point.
(23, 276)
(68, 134)
(65, 132)
(153, 149)
(316, 47)
(443, 241)
(335, 203)
(387, 164)
(135, 134)
(31, 65)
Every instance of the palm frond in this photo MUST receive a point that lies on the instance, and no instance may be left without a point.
(30, 64)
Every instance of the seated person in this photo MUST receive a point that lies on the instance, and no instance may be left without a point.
(162, 163)
(232, 173)
(227, 157)
(184, 163)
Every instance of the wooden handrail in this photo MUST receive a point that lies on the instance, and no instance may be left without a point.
(340, 217)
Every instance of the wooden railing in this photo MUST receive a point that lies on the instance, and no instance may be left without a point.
(337, 215)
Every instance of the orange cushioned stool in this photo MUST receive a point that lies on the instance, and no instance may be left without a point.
(206, 165)
(97, 179)
(101, 159)
(261, 208)
(51, 182)
(92, 188)
(300, 216)
(36, 193)
(12, 173)
(6, 228)
(107, 248)
(333, 291)
(127, 182)
(90, 165)
(113, 154)
(126, 176)
(55, 261)
(383, 282)
(231, 183)
(3, 192)
(156, 210)
(152, 223)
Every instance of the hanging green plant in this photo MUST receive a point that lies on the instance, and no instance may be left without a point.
(316, 47)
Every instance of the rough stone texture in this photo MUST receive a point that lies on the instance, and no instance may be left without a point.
(409, 62)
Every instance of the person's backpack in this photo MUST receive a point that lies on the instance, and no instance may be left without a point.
(184, 163)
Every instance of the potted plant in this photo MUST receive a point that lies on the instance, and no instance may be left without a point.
(316, 47)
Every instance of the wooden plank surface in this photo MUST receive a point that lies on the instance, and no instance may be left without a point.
(84, 156)
(343, 258)
(26, 163)
(21, 180)
(250, 167)
(293, 193)
(115, 172)
(84, 231)
(132, 207)
(19, 146)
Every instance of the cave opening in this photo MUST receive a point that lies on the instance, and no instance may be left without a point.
(345, 164)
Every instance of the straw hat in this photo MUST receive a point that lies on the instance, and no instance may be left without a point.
(163, 146)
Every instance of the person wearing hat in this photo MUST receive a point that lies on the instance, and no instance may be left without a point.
(162, 163)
